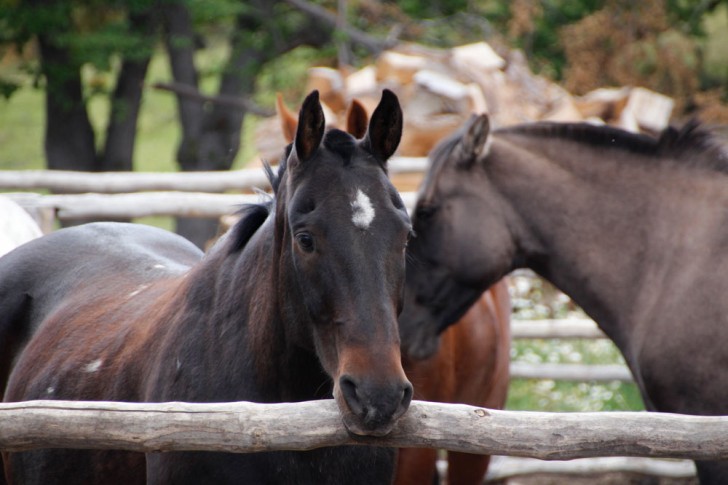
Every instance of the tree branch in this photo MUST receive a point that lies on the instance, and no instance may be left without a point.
(191, 92)
(372, 44)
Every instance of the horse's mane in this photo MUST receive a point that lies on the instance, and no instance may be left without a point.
(252, 216)
(692, 142)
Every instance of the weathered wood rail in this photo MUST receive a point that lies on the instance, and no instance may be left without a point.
(142, 204)
(504, 467)
(122, 182)
(244, 427)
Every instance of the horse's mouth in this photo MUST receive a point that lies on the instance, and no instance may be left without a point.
(352, 425)
(371, 422)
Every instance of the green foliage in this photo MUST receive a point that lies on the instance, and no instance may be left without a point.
(424, 9)
(285, 73)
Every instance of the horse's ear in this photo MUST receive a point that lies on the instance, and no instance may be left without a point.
(310, 130)
(356, 119)
(475, 143)
(385, 127)
(288, 120)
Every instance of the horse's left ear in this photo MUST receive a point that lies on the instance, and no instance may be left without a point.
(289, 123)
(475, 142)
(310, 130)
(356, 119)
(385, 127)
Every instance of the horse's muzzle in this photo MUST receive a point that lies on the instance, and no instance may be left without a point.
(372, 410)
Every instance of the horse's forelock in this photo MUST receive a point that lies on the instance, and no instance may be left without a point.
(341, 143)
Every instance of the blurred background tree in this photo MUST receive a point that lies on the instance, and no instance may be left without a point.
(226, 59)
(117, 39)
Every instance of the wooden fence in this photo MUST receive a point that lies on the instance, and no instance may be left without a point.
(244, 427)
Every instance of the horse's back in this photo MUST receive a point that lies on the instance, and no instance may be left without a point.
(44, 285)
(37, 277)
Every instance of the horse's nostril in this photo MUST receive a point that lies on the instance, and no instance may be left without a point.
(406, 396)
(349, 391)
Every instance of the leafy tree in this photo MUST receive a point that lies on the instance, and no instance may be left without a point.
(70, 34)
(73, 33)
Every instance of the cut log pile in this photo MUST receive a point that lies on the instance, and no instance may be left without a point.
(439, 89)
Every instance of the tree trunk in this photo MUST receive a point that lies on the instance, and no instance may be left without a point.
(69, 137)
(180, 42)
(211, 137)
(126, 100)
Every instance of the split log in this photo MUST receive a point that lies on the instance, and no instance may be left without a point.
(250, 427)
(650, 110)
(143, 204)
(504, 467)
(545, 329)
(571, 372)
(119, 182)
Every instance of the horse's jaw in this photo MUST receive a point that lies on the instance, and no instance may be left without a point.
(420, 343)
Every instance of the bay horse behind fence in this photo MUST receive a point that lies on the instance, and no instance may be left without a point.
(634, 229)
(468, 363)
(299, 301)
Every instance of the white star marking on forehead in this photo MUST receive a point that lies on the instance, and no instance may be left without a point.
(363, 211)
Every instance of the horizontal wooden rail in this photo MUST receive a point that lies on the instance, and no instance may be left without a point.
(141, 204)
(249, 427)
(121, 182)
(575, 328)
(571, 372)
(504, 467)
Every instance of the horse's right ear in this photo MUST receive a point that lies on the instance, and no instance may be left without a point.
(475, 143)
(385, 127)
(357, 119)
(310, 130)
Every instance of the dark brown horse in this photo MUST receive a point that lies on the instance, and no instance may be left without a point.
(469, 366)
(633, 228)
(299, 301)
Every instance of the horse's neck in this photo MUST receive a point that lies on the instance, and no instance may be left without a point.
(613, 238)
(256, 311)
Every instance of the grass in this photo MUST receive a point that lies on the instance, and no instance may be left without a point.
(549, 395)
(716, 28)
(21, 131)
(22, 121)
(533, 299)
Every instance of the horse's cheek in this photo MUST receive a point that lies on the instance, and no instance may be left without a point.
(325, 343)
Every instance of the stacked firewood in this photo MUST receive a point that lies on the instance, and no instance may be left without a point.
(439, 89)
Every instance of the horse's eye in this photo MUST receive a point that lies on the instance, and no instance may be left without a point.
(425, 212)
(305, 241)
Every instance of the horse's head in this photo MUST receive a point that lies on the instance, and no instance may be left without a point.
(460, 247)
(343, 230)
